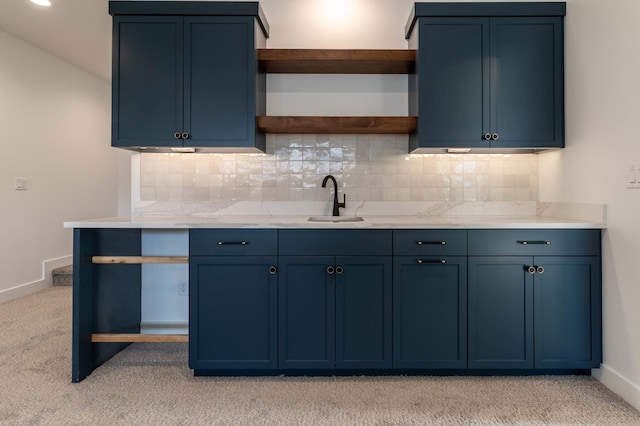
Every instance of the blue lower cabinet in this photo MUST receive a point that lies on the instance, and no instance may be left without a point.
(233, 313)
(541, 312)
(430, 312)
(335, 312)
(500, 312)
(299, 301)
(567, 312)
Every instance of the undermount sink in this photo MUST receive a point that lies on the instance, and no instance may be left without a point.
(335, 219)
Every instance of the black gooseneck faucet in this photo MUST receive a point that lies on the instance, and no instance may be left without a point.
(336, 204)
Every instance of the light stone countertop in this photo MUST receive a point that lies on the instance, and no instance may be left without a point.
(377, 215)
(371, 222)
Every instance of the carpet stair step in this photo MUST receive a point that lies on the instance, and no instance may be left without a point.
(62, 276)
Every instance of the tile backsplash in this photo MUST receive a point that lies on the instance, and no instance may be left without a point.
(367, 168)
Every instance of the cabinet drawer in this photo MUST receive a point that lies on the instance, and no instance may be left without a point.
(534, 242)
(335, 242)
(430, 242)
(233, 242)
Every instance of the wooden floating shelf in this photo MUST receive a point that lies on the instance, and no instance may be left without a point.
(135, 260)
(337, 61)
(138, 338)
(336, 125)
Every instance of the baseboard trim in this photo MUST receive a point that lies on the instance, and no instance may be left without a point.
(619, 384)
(45, 281)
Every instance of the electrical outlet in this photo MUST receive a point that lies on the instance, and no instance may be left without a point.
(183, 288)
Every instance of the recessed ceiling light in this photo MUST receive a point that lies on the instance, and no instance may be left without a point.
(42, 2)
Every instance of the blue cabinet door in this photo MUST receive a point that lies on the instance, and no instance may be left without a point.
(306, 312)
(363, 311)
(567, 312)
(147, 104)
(500, 312)
(452, 65)
(430, 312)
(220, 81)
(233, 313)
(527, 82)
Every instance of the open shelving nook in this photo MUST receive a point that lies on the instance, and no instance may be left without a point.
(337, 61)
(138, 337)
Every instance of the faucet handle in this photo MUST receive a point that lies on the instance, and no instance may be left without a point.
(344, 201)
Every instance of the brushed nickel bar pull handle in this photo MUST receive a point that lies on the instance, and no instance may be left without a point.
(524, 243)
(440, 261)
(424, 243)
(233, 243)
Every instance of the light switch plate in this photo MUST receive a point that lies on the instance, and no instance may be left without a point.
(20, 184)
(633, 176)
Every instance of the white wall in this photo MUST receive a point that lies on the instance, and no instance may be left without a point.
(55, 121)
(603, 140)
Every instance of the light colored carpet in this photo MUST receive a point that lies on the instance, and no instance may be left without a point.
(151, 384)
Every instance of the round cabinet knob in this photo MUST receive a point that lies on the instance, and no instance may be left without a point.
(330, 270)
(185, 135)
(531, 269)
(273, 270)
(487, 136)
(177, 135)
(495, 136)
(540, 270)
(339, 270)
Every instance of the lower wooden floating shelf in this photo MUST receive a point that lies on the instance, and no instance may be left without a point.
(138, 338)
(336, 125)
(136, 260)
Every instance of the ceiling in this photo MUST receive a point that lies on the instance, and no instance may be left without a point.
(78, 31)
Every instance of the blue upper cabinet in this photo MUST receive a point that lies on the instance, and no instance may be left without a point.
(489, 76)
(185, 75)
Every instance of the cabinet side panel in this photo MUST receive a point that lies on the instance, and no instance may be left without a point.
(260, 79)
(81, 358)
